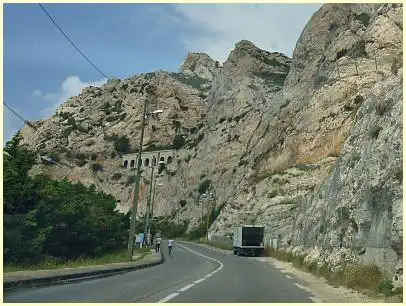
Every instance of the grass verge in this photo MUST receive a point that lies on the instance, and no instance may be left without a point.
(368, 279)
(218, 245)
(54, 263)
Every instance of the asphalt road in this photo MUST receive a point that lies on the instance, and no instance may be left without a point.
(192, 273)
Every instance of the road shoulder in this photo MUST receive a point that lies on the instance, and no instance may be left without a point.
(318, 286)
(54, 276)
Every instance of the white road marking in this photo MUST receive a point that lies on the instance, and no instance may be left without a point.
(186, 287)
(199, 280)
(169, 297)
(172, 295)
(300, 286)
(316, 300)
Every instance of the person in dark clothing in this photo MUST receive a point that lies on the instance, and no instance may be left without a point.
(157, 244)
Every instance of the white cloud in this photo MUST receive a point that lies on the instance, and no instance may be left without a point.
(71, 86)
(273, 27)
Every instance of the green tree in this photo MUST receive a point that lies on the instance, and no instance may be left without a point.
(45, 218)
(122, 144)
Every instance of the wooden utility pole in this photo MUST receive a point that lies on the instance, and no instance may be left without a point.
(136, 188)
(149, 198)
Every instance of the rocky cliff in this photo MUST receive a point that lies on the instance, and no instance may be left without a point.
(308, 146)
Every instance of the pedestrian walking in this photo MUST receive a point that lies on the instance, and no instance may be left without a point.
(157, 244)
(170, 244)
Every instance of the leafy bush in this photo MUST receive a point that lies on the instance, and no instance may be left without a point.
(203, 186)
(358, 99)
(96, 167)
(116, 176)
(55, 219)
(81, 156)
(112, 137)
(65, 115)
(193, 80)
(113, 154)
(130, 180)
(381, 107)
(122, 144)
(363, 18)
(273, 194)
(176, 124)
(242, 162)
(111, 118)
(272, 78)
(182, 203)
(358, 50)
(396, 64)
(386, 287)
(72, 122)
(67, 132)
(178, 142)
(374, 131)
(198, 232)
(81, 163)
(398, 173)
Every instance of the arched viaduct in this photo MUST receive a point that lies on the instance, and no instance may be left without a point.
(148, 158)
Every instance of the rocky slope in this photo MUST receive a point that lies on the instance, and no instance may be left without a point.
(308, 146)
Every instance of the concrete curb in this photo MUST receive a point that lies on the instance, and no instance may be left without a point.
(78, 276)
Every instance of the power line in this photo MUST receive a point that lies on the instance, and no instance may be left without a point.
(72, 43)
(19, 116)
(14, 112)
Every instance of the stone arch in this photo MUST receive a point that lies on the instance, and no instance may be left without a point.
(169, 160)
(146, 162)
(132, 163)
(154, 161)
(126, 164)
(162, 159)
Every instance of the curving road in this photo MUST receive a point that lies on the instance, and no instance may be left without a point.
(192, 273)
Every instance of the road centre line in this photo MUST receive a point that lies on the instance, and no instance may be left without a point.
(169, 297)
(172, 295)
(186, 287)
(199, 280)
(300, 286)
(316, 300)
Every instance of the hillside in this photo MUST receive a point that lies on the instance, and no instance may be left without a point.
(308, 146)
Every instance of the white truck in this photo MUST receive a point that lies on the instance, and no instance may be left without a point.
(248, 239)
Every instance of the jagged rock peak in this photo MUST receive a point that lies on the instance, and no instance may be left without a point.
(247, 59)
(245, 48)
(245, 44)
(199, 64)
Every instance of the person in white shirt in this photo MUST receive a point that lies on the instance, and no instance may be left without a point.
(170, 244)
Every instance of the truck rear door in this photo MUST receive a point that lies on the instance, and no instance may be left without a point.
(252, 236)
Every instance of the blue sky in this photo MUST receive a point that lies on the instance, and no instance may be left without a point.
(41, 69)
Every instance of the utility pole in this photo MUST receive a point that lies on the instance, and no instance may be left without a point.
(136, 187)
(210, 210)
(153, 198)
(149, 199)
(207, 222)
(153, 193)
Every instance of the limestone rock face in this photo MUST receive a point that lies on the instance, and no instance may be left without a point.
(310, 147)
(199, 64)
